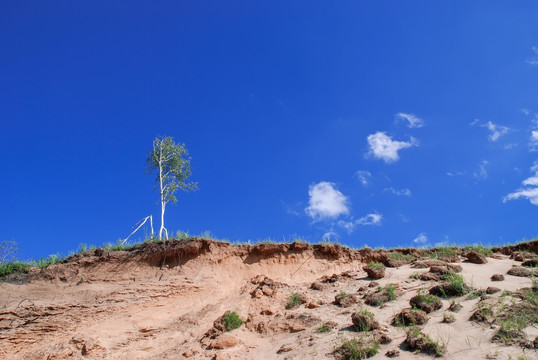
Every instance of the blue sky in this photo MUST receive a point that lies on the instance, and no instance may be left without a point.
(374, 122)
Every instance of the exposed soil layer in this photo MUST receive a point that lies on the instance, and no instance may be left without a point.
(169, 300)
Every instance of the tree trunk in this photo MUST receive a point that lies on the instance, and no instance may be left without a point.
(163, 201)
(163, 229)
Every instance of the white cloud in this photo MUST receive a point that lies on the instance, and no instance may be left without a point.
(414, 121)
(348, 225)
(421, 239)
(495, 131)
(330, 236)
(370, 219)
(526, 111)
(364, 177)
(326, 202)
(530, 191)
(510, 146)
(482, 172)
(534, 140)
(532, 181)
(534, 59)
(402, 192)
(383, 147)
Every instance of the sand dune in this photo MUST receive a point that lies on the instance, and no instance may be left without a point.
(164, 301)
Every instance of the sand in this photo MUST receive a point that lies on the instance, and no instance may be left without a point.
(160, 302)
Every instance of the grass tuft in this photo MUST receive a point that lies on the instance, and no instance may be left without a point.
(232, 320)
(293, 301)
(363, 324)
(358, 348)
(486, 251)
(448, 318)
(376, 265)
(323, 329)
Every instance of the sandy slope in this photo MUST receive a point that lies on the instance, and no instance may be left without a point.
(159, 301)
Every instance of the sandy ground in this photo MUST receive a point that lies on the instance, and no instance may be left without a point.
(124, 308)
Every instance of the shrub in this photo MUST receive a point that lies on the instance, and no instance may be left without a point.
(7, 251)
(232, 320)
(14, 267)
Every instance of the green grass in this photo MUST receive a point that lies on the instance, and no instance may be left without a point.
(398, 256)
(475, 293)
(483, 250)
(427, 344)
(427, 298)
(323, 329)
(443, 252)
(14, 267)
(457, 283)
(180, 235)
(376, 265)
(455, 306)
(24, 267)
(46, 262)
(390, 289)
(358, 348)
(513, 313)
(448, 318)
(121, 247)
(293, 301)
(363, 325)
(232, 320)
(415, 276)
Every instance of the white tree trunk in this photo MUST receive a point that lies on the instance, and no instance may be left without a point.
(163, 229)
(141, 222)
(163, 200)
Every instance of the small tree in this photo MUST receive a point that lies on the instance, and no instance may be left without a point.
(173, 166)
(7, 251)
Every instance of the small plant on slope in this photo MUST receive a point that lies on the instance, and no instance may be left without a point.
(293, 301)
(358, 348)
(232, 320)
